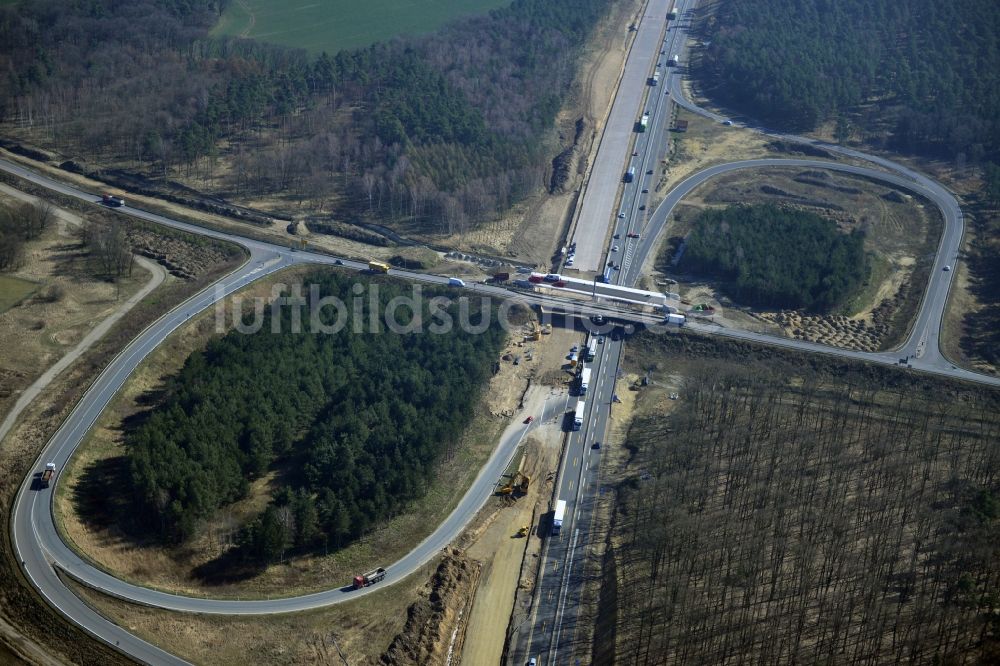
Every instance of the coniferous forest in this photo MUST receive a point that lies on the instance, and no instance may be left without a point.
(775, 257)
(362, 418)
(918, 76)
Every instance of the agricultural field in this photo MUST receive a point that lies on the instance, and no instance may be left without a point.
(339, 24)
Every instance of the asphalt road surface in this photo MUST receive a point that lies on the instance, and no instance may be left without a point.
(43, 553)
(610, 164)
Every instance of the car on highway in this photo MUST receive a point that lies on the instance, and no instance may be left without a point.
(635, 153)
(947, 268)
(614, 248)
(642, 207)
(632, 235)
(338, 262)
(532, 662)
(617, 236)
(649, 172)
(621, 216)
(529, 419)
(645, 191)
(727, 123)
(595, 445)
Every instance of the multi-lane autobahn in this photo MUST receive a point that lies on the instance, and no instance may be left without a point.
(554, 617)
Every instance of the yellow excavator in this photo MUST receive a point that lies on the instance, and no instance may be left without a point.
(523, 532)
(518, 483)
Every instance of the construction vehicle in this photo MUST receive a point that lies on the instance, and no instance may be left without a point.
(517, 483)
(547, 329)
(378, 267)
(523, 532)
(48, 474)
(370, 578)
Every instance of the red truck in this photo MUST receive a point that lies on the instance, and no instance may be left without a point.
(370, 578)
(48, 474)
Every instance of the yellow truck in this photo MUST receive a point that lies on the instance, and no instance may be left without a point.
(378, 267)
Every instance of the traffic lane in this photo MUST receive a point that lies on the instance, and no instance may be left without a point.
(482, 489)
(610, 163)
(588, 497)
(554, 555)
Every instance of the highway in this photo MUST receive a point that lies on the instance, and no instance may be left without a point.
(555, 612)
(609, 167)
(42, 552)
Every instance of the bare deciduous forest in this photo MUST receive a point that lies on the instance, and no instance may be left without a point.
(433, 134)
(796, 515)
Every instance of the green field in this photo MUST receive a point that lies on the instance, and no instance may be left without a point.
(334, 25)
(13, 291)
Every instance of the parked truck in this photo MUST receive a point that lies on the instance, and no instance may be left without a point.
(378, 267)
(675, 319)
(112, 200)
(48, 474)
(557, 517)
(370, 578)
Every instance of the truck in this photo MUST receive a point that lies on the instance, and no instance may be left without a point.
(48, 474)
(643, 123)
(584, 381)
(654, 80)
(573, 359)
(675, 319)
(524, 284)
(672, 14)
(456, 282)
(675, 60)
(605, 277)
(629, 175)
(591, 349)
(370, 578)
(578, 415)
(378, 266)
(557, 517)
(112, 200)
(536, 278)
(500, 277)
